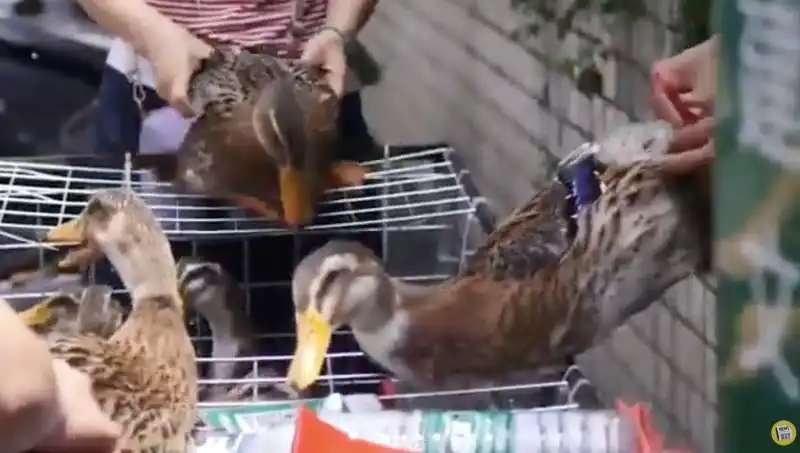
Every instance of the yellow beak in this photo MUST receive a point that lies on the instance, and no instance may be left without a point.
(37, 315)
(298, 207)
(69, 232)
(313, 340)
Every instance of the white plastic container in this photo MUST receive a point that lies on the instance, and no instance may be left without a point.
(573, 431)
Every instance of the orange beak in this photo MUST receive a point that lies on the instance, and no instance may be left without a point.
(298, 207)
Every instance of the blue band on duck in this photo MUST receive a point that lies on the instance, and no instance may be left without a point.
(531, 296)
(578, 173)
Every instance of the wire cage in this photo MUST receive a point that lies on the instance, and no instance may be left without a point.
(417, 210)
(507, 96)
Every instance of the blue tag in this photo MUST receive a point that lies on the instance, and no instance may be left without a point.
(579, 175)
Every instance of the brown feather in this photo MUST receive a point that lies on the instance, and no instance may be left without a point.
(260, 114)
(144, 376)
(531, 296)
(487, 327)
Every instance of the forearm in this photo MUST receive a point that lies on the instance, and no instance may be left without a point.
(29, 408)
(131, 20)
(350, 16)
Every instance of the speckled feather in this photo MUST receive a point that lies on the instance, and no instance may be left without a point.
(144, 376)
(91, 311)
(259, 112)
(531, 295)
(631, 250)
(533, 236)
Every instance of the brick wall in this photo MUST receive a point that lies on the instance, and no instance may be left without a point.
(453, 72)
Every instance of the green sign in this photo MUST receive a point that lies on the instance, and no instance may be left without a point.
(253, 417)
(757, 218)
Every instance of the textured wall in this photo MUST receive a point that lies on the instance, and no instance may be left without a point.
(453, 72)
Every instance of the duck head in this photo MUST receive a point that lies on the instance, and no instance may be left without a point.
(341, 283)
(118, 224)
(56, 313)
(296, 120)
(92, 310)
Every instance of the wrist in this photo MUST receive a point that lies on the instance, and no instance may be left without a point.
(333, 33)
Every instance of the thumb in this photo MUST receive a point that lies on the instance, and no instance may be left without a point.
(178, 97)
(310, 53)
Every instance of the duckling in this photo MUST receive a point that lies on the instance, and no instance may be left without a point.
(144, 376)
(209, 290)
(266, 138)
(507, 312)
(61, 314)
(92, 311)
(218, 298)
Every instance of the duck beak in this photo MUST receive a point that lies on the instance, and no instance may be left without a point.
(67, 233)
(313, 340)
(39, 314)
(298, 207)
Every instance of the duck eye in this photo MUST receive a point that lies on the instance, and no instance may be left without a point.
(97, 209)
(328, 280)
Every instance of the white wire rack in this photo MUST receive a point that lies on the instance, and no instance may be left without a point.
(415, 211)
(401, 192)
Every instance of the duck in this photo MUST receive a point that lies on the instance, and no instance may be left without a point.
(217, 297)
(267, 137)
(144, 375)
(31, 266)
(598, 245)
(93, 310)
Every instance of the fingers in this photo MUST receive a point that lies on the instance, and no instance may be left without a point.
(667, 92)
(336, 81)
(692, 136)
(665, 110)
(688, 161)
(176, 95)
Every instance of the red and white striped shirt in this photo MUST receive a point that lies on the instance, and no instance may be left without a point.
(286, 24)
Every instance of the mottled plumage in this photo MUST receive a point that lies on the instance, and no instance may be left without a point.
(93, 310)
(267, 137)
(144, 375)
(531, 296)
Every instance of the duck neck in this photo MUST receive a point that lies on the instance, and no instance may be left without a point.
(382, 326)
(147, 275)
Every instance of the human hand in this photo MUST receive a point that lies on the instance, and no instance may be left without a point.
(691, 148)
(326, 50)
(85, 427)
(174, 54)
(688, 80)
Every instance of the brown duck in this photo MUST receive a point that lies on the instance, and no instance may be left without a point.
(544, 286)
(267, 137)
(144, 375)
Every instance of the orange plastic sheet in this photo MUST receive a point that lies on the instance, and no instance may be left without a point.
(648, 439)
(313, 435)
